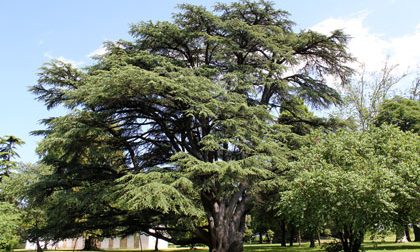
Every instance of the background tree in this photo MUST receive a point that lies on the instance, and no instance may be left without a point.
(414, 92)
(188, 116)
(10, 217)
(354, 181)
(16, 189)
(405, 114)
(10, 221)
(401, 112)
(368, 90)
(8, 146)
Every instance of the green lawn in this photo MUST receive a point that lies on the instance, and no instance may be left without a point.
(392, 246)
(368, 246)
(387, 246)
(277, 247)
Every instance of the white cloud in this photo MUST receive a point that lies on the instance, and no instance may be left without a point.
(98, 52)
(372, 49)
(406, 50)
(49, 56)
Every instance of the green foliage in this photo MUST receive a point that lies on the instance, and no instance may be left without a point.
(159, 191)
(402, 112)
(8, 146)
(182, 128)
(333, 246)
(10, 224)
(10, 213)
(29, 214)
(248, 235)
(342, 197)
(270, 235)
(355, 181)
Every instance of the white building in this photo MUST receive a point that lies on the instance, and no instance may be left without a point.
(135, 241)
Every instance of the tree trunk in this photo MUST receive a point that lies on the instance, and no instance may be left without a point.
(350, 240)
(407, 232)
(400, 236)
(260, 238)
(277, 235)
(90, 244)
(299, 238)
(268, 238)
(357, 243)
(38, 246)
(416, 229)
(319, 238)
(157, 244)
(311, 240)
(292, 234)
(283, 233)
(226, 222)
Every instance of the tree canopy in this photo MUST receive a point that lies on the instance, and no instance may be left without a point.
(178, 128)
(8, 146)
(9, 226)
(402, 112)
(355, 181)
(10, 216)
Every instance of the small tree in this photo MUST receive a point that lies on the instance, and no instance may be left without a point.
(8, 146)
(405, 114)
(354, 181)
(10, 216)
(17, 190)
(10, 224)
(401, 112)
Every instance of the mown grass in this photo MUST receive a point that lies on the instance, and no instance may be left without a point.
(368, 246)
(277, 247)
(392, 246)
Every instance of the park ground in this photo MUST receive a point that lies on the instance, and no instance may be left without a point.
(385, 244)
(368, 246)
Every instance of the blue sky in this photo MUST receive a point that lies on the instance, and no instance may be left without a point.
(34, 32)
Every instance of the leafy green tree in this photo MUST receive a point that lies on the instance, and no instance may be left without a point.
(8, 146)
(405, 114)
(401, 112)
(183, 124)
(10, 216)
(10, 222)
(16, 189)
(354, 181)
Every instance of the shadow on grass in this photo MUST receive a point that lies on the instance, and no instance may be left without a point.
(391, 246)
(278, 247)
